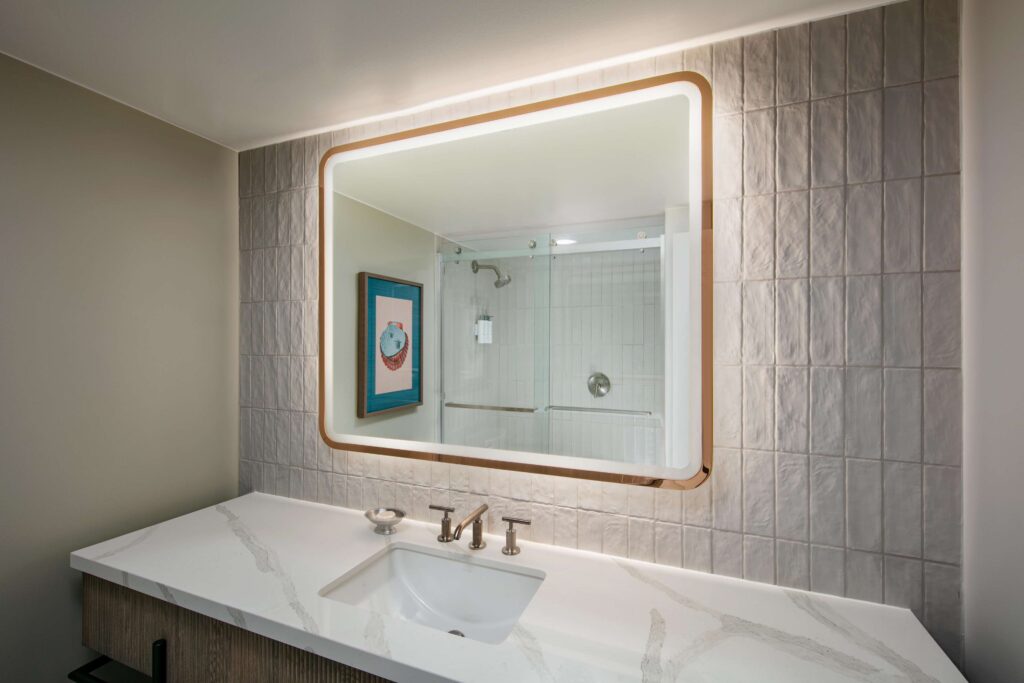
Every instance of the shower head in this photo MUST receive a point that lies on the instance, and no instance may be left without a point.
(501, 280)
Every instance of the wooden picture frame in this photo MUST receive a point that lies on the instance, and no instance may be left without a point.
(390, 345)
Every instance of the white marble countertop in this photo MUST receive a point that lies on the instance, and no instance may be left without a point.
(259, 561)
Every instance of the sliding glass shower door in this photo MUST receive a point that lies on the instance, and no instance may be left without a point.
(554, 347)
(495, 330)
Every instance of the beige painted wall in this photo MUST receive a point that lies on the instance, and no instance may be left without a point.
(993, 281)
(118, 344)
(375, 242)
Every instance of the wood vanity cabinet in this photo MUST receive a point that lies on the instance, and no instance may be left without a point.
(122, 624)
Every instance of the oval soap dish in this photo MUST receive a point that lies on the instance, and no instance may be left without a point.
(385, 519)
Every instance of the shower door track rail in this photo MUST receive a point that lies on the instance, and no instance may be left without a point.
(477, 406)
(613, 411)
(512, 409)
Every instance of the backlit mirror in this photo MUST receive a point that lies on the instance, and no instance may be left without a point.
(526, 289)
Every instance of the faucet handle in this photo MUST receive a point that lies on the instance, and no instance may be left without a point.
(446, 523)
(510, 535)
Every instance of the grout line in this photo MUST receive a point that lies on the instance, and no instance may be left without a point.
(843, 306)
(920, 256)
(807, 318)
(881, 285)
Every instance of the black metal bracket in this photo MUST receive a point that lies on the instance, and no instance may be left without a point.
(83, 674)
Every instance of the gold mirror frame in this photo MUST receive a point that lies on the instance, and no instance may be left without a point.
(706, 244)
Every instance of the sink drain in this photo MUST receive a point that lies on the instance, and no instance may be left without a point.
(457, 632)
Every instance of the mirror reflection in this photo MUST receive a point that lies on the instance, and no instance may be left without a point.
(526, 285)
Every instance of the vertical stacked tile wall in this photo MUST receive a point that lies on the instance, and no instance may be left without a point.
(837, 326)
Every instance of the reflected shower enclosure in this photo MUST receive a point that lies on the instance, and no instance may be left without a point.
(554, 310)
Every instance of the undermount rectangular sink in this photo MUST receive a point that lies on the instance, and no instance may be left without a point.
(478, 598)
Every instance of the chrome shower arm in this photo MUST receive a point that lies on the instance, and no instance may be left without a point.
(477, 266)
(501, 280)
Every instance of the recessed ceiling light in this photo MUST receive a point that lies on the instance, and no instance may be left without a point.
(564, 242)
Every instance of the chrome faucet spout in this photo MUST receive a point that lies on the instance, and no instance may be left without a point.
(472, 517)
(476, 518)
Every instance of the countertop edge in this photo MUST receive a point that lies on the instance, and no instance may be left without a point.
(361, 651)
(283, 633)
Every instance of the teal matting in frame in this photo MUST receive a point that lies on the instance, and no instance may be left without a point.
(390, 344)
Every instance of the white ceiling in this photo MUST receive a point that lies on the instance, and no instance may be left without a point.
(621, 163)
(247, 72)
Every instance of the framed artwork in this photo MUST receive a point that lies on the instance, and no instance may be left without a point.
(390, 355)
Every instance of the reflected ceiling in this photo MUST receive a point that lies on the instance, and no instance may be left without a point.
(616, 164)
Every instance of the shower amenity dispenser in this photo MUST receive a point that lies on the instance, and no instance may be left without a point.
(483, 329)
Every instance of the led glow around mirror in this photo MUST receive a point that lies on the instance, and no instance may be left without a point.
(515, 321)
(513, 122)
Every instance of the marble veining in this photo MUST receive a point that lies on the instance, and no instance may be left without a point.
(532, 649)
(166, 594)
(132, 539)
(835, 621)
(375, 635)
(266, 561)
(259, 562)
(650, 667)
(237, 617)
(731, 626)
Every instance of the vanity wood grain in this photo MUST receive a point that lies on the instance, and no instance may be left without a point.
(122, 624)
